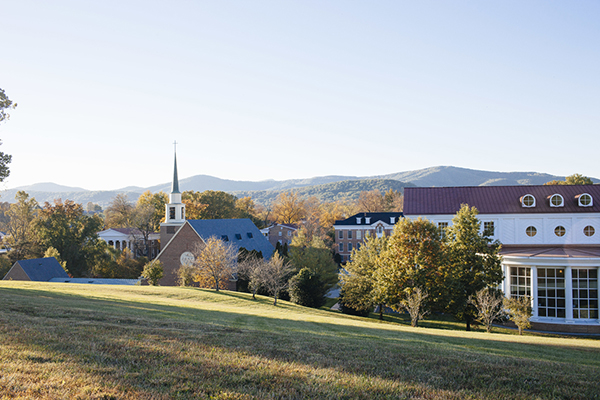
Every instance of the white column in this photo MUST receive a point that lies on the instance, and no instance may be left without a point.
(568, 296)
(534, 291)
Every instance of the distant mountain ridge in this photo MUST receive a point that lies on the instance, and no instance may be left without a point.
(325, 187)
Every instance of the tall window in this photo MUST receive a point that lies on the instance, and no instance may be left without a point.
(585, 293)
(171, 212)
(551, 292)
(341, 247)
(341, 235)
(349, 234)
(349, 247)
(520, 281)
(442, 227)
(488, 228)
(358, 234)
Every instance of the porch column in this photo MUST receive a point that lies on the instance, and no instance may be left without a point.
(568, 296)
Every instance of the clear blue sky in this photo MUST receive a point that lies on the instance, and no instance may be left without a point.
(256, 90)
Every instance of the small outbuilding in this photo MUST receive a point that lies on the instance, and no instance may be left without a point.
(36, 269)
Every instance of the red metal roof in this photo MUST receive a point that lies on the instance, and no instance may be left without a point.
(551, 251)
(497, 199)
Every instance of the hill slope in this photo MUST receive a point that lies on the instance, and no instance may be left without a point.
(127, 342)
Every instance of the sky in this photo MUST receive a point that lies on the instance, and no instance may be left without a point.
(256, 90)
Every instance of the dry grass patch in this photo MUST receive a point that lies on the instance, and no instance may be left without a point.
(85, 341)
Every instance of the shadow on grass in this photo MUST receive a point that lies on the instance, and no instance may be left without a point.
(184, 351)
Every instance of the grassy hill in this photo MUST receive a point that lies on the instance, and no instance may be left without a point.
(103, 342)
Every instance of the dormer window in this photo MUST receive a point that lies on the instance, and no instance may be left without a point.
(585, 200)
(557, 201)
(367, 220)
(358, 220)
(392, 220)
(528, 201)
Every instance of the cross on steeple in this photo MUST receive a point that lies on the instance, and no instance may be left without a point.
(175, 146)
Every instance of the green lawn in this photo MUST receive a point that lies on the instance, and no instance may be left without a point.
(90, 341)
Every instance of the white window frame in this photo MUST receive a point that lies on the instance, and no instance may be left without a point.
(561, 202)
(525, 197)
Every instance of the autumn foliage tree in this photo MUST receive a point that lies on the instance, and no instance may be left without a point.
(289, 208)
(214, 263)
(575, 179)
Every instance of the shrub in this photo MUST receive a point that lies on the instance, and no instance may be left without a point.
(153, 271)
(519, 311)
(307, 289)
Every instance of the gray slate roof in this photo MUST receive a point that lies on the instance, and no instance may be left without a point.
(375, 217)
(497, 199)
(42, 269)
(240, 232)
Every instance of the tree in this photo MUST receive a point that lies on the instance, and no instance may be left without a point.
(65, 227)
(52, 252)
(575, 179)
(371, 201)
(142, 219)
(91, 207)
(314, 255)
(214, 262)
(360, 292)
(473, 263)
(413, 302)
(20, 228)
(289, 208)
(519, 311)
(273, 275)
(153, 272)
(412, 261)
(210, 204)
(119, 212)
(393, 201)
(250, 268)
(5, 159)
(307, 289)
(157, 201)
(488, 302)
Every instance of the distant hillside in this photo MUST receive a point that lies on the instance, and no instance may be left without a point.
(326, 188)
(345, 190)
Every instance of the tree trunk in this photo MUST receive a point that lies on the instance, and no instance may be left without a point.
(468, 323)
(381, 311)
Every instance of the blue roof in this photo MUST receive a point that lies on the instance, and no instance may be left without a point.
(97, 281)
(239, 232)
(42, 269)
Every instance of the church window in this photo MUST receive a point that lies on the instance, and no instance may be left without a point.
(589, 231)
(531, 231)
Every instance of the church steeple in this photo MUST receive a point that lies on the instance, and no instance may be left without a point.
(175, 185)
(175, 210)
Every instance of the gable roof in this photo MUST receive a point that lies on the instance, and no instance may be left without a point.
(42, 269)
(385, 217)
(497, 199)
(240, 232)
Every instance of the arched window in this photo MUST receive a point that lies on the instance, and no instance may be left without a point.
(528, 201)
(557, 201)
(585, 200)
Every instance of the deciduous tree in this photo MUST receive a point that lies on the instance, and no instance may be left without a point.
(119, 212)
(22, 238)
(473, 263)
(153, 272)
(575, 179)
(371, 201)
(273, 275)
(65, 227)
(488, 302)
(288, 208)
(215, 262)
(157, 201)
(519, 311)
(314, 255)
(5, 159)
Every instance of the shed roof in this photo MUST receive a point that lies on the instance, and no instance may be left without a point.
(240, 232)
(497, 199)
(42, 269)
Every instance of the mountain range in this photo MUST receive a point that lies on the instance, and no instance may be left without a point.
(326, 188)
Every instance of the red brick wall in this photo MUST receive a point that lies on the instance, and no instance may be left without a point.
(185, 240)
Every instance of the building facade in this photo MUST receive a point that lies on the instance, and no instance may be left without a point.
(350, 232)
(280, 233)
(550, 238)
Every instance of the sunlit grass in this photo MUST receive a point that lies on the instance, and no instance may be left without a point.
(88, 341)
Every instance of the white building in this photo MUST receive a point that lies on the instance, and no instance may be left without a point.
(550, 239)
